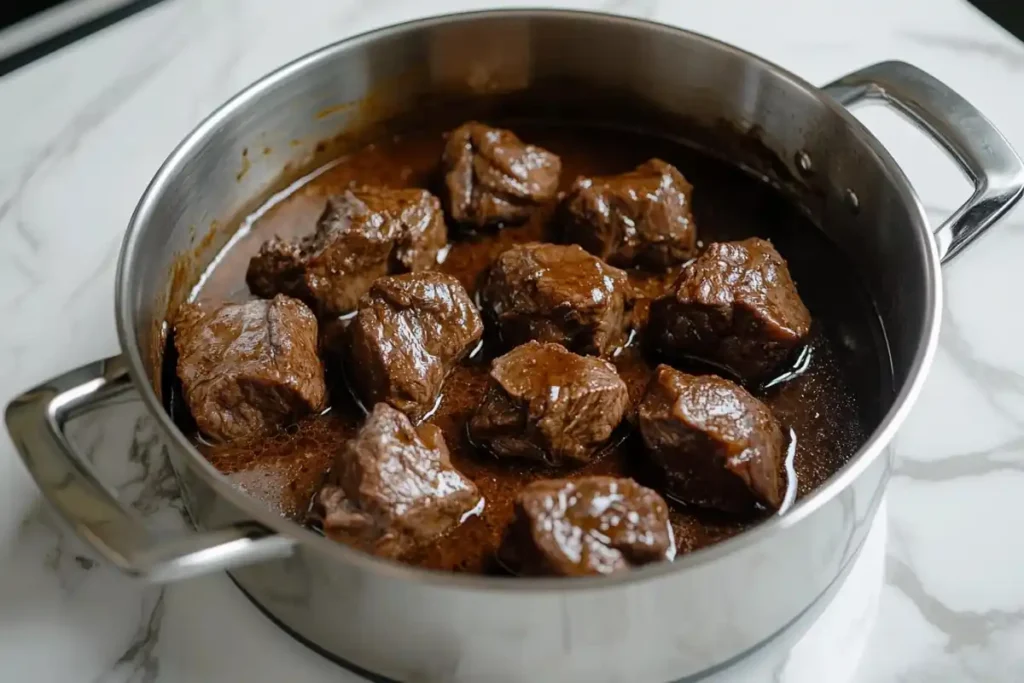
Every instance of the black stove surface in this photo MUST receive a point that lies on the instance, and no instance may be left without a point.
(30, 29)
(1007, 13)
(13, 12)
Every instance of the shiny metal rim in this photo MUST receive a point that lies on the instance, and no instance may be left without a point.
(874, 448)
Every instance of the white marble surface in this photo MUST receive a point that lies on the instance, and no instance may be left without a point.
(85, 129)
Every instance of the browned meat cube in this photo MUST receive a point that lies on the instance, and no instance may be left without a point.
(393, 487)
(493, 178)
(280, 267)
(362, 234)
(586, 526)
(639, 218)
(548, 404)
(409, 332)
(736, 306)
(558, 293)
(718, 446)
(249, 369)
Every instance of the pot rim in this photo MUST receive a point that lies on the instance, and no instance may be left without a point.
(861, 460)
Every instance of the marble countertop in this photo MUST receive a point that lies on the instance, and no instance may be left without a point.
(85, 129)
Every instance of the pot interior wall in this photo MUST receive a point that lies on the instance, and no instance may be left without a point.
(615, 72)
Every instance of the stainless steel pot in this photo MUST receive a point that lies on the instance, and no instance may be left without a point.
(703, 612)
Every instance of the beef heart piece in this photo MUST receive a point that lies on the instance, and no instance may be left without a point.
(491, 177)
(393, 487)
(558, 293)
(736, 306)
(640, 218)
(549, 404)
(587, 526)
(718, 446)
(363, 233)
(409, 332)
(249, 369)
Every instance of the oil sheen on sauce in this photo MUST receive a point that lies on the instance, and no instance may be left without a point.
(827, 401)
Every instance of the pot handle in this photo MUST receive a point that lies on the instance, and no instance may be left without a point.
(970, 138)
(36, 422)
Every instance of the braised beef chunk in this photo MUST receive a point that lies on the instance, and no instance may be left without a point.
(735, 305)
(280, 267)
(492, 177)
(639, 218)
(363, 234)
(718, 446)
(586, 526)
(549, 404)
(393, 486)
(558, 293)
(409, 332)
(249, 369)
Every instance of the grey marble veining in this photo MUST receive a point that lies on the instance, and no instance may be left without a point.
(87, 127)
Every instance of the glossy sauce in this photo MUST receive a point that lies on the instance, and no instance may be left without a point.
(828, 401)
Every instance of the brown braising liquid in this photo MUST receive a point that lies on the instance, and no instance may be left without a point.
(829, 404)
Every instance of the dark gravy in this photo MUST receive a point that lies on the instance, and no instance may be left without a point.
(828, 402)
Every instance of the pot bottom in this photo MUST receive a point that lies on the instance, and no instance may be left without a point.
(824, 642)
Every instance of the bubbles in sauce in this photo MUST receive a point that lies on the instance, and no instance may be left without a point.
(828, 400)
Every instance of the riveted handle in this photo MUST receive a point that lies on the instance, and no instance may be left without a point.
(953, 122)
(36, 421)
